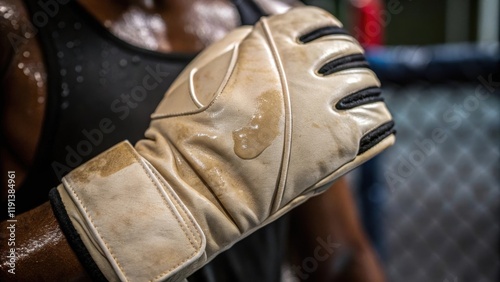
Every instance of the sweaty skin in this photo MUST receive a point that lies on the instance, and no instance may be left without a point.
(163, 26)
(42, 252)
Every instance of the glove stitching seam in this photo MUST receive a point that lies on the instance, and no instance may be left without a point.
(69, 183)
(171, 211)
(163, 199)
(192, 234)
(287, 150)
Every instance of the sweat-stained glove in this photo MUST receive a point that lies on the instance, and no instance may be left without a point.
(257, 124)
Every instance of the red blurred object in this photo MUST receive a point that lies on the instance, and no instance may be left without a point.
(369, 26)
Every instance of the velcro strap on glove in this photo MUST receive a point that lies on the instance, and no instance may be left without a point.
(131, 221)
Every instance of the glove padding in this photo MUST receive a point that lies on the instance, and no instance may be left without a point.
(255, 125)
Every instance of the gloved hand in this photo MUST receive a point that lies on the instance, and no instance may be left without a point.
(257, 124)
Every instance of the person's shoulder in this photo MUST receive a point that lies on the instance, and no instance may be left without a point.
(16, 29)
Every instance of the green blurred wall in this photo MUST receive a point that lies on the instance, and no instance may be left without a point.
(417, 22)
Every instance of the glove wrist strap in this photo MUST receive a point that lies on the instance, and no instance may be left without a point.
(132, 222)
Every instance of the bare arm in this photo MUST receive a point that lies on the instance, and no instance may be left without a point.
(42, 252)
(332, 219)
(22, 92)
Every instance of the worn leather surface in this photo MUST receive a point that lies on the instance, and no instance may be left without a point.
(248, 131)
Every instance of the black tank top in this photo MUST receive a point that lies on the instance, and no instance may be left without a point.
(102, 90)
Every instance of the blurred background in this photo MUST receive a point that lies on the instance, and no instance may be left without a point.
(430, 204)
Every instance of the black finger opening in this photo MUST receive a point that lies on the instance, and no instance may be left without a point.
(320, 32)
(374, 137)
(362, 97)
(343, 63)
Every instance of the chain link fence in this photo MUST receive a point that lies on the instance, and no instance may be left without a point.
(442, 196)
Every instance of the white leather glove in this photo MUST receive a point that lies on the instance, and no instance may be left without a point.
(255, 125)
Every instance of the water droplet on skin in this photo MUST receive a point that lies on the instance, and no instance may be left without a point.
(65, 89)
(251, 140)
(79, 79)
(40, 100)
(26, 54)
(65, 105)
(78, 68)
(38, 76)
(70, 44)
(14, 24)
(27, 35)
(26, 71)
(39, 84)
(7, 15)
(123, 63)
(20, 65)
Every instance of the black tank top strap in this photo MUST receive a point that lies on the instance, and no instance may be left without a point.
(249, 12)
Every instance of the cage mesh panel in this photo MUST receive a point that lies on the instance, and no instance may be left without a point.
(441, 208)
